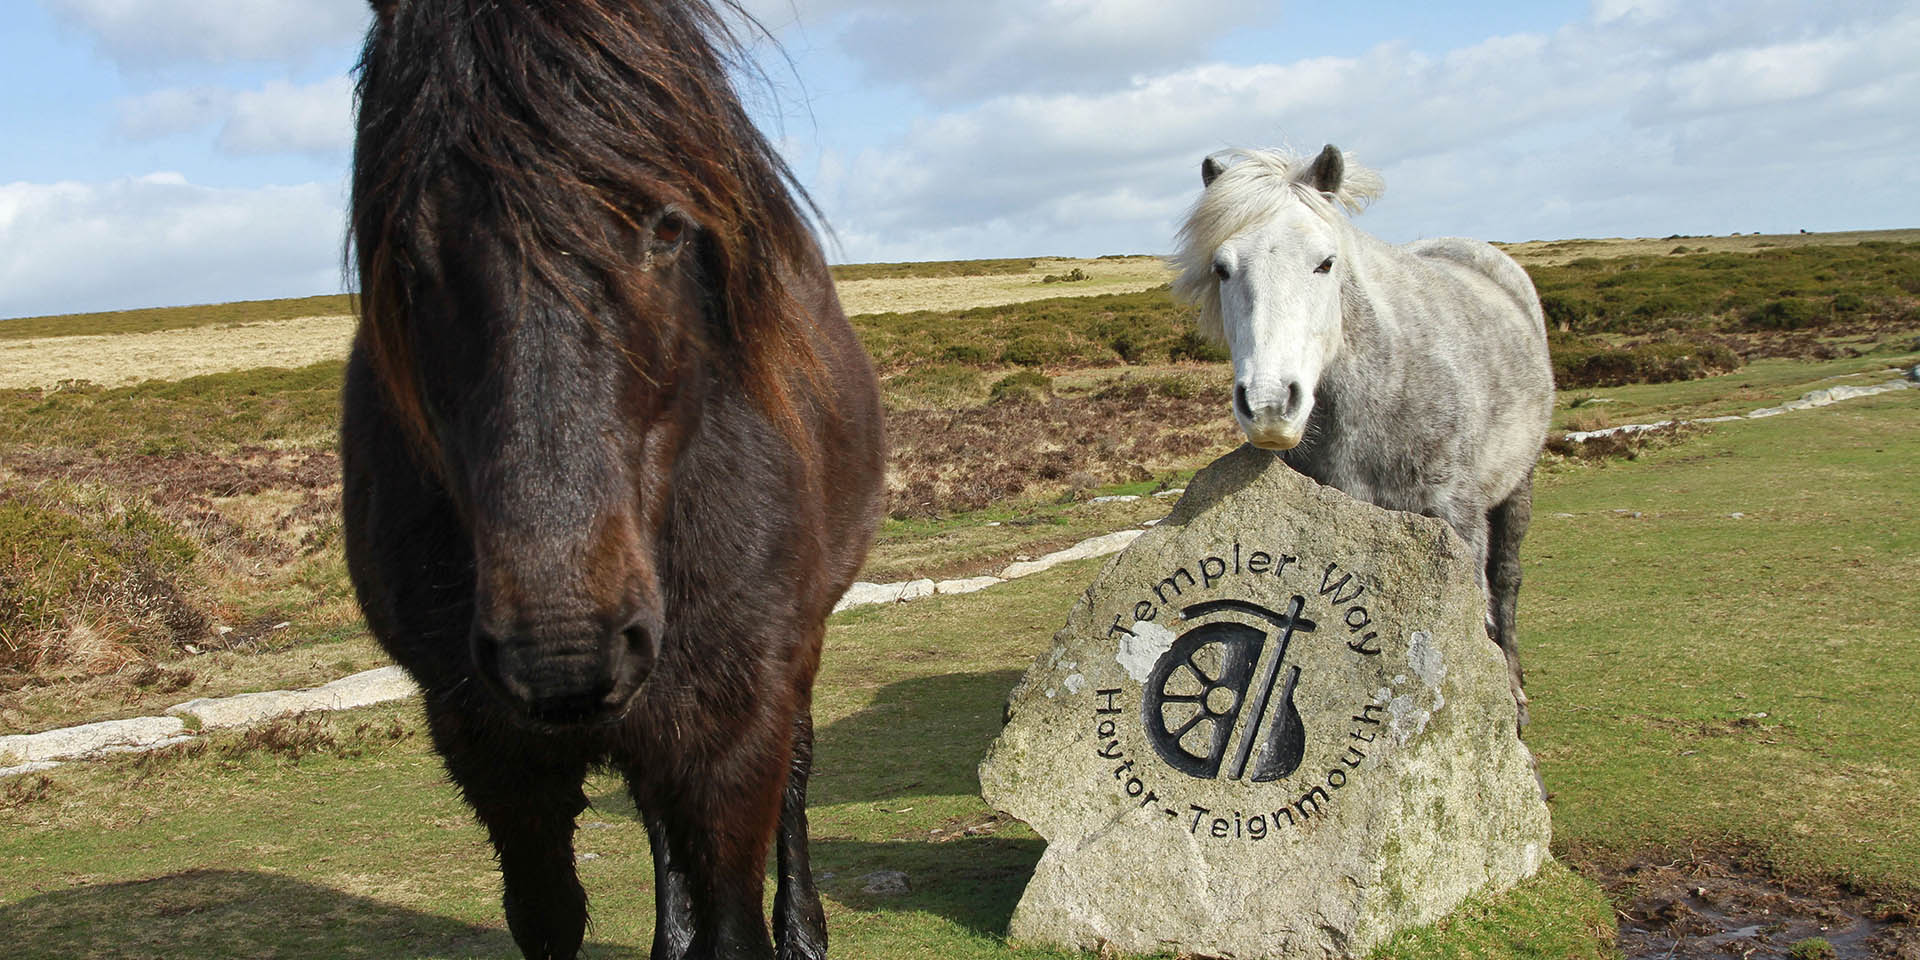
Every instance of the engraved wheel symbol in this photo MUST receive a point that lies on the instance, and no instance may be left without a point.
(1194, 697)
(1195, 694)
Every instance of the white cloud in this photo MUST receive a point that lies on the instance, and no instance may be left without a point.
(171, 110)
(954, 53)
(146, 33)
(285, 118)
(158, 239)
(1635, 122)
(281, 117)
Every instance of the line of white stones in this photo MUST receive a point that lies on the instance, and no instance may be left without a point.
(1808, 400)
(28, 753)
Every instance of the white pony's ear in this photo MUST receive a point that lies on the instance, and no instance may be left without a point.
(1327, 171)
(1209, 168)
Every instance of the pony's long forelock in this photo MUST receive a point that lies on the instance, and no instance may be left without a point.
(570, 111)
(1254, 184)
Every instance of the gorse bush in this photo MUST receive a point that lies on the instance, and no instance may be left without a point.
(1594, 362)
(1782, 289)
(1026, 386)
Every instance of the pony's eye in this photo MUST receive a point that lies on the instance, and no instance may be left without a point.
(1220, 270)
(669, 230)
(1326, 266)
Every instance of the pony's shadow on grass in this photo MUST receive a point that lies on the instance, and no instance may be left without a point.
(237, 913)
(924, 735)
(973, 882)
(921, 736)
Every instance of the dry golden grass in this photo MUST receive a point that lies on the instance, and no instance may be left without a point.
(120, 359)
(1116, 275)
(1544, 253)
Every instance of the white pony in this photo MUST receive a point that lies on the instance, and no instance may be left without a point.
(1412, 377)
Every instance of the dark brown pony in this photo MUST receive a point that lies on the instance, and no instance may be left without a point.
(611, 450)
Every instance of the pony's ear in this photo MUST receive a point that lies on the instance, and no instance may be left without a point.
(1327, 171)
(1209, 168)
(384, 9)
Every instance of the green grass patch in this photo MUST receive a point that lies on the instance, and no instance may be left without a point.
(152, 319)
(1762, 383)
(1557, 915)
(1706, 679)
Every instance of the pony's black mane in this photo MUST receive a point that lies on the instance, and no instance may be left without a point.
(576, 118)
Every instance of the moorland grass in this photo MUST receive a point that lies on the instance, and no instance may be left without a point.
(1098, 331)
(114, 567)
(1785, 289)
(199, 415)
(1762, 383)
(1699, 680)
(152, 319)
(930, 268)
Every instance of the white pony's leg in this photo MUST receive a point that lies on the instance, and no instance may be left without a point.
(1473, 525)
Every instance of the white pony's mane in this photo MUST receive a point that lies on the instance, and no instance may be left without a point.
(1251, 188)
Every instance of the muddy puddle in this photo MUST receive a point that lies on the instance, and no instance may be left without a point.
(1713, 909)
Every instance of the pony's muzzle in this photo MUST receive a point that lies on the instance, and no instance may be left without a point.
(567, 675)
(1273, 416)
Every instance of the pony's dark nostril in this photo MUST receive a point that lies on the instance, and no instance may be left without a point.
(639, 647)
(641, 643)
(1293, 399)
(1240, 404)
(486, 658)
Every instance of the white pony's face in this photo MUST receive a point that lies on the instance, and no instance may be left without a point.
(1280, 311)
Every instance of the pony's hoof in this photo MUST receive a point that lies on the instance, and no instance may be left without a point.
(802, 948)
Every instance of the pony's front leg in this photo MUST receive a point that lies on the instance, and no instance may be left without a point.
(799, 923)
(672, 896)
(528, 803)
(718, 830)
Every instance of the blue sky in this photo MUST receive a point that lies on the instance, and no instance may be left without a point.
(187, 151)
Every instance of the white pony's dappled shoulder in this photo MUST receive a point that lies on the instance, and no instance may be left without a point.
(1243, 189)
